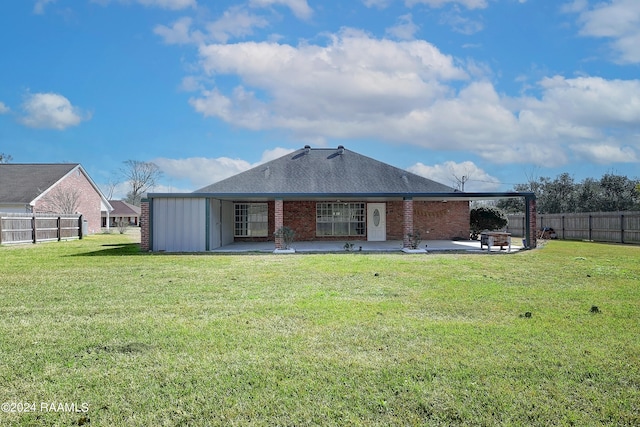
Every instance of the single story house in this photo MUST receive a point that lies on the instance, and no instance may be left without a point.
(52, 188)
(122, 212)
(320, 193)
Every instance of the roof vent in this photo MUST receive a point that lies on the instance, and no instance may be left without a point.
(307, 148)
(340, 149)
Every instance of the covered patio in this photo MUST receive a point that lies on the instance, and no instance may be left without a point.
(430, 246)
(326, 197)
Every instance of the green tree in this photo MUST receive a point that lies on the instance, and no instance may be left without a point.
(618, 193)
(486, 218)
(5, 158)
(563, 194)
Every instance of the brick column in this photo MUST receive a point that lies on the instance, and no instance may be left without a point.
(533, 224)
(144, 226)
(279, 222)
(407, 221)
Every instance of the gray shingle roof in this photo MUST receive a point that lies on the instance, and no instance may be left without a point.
(325, 171)
(22, 183)
(122, 208)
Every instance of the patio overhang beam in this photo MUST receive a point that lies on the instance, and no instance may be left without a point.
(452, 196)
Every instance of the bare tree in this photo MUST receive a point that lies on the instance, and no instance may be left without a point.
(62, 201)
(5, 158)
(461, 180)
(110, 188)
(141, 176)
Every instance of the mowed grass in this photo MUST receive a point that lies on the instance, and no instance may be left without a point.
(333, 339)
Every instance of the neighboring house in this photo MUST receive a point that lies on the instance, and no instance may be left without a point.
(52, 188)
(322, 194)
(122, 211)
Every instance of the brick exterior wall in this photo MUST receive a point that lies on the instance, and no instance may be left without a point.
(89, 202)
(145, 238)
(278, 216)
(533, 224)
(434, 221)
(407, 222)
(301, 217)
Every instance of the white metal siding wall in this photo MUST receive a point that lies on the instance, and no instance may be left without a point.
(214, 227)
(179, 224)
(227, 223)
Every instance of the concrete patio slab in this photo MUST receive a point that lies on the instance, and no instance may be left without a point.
(431, 246)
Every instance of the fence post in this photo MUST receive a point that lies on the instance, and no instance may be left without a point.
(590, 227)
(80, 227)
(621, 228)
(34, 230)
(0, 230)
(59, 224)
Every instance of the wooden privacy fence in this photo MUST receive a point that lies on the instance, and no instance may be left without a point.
(616, 227)
(39, 227)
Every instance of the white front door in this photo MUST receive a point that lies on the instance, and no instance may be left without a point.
(376, 222)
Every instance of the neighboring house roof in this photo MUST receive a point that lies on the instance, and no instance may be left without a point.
(121, 208)
(27, 182)
(23, 183)
(325, 171)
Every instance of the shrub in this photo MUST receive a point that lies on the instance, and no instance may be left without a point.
(486, 218)
(414, 239)
(122, 226)
(287, 235)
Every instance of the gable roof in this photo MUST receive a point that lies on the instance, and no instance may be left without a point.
(26, 182)
(122, 208)
(325, 171)
(23, 183)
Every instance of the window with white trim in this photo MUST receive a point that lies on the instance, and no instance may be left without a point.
(340, 219)
(251, 220)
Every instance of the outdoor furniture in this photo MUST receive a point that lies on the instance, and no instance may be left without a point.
(495, 238)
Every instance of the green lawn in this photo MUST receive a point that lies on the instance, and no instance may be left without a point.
(336, 339)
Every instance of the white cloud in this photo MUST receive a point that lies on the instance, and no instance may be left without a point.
(163, 4)
(38, 8)
(592, 101)
(273, 154)
(300, 8)
(202, 171)
(235, 22)
(605, 153)
(359, 87)
(575, 6)
(405, 29)
(469, 4)
(169, 4)
(313, 86)
(179, 32)
(618, 20)
(461, 24)
(3, 108)
(453, 174)
(380, 4)
(51, 111)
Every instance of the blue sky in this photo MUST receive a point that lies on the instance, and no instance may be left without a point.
(499, 91)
